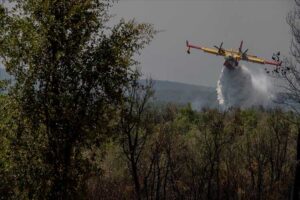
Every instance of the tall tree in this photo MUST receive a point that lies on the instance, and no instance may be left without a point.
(135, 128)
(71, 70)
(290, 72)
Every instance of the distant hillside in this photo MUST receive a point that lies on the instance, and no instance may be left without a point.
(174, 92)
(181, 93)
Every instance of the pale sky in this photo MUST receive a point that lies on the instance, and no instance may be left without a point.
(260, 23)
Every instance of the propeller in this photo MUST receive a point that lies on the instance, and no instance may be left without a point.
(244, 54)
(220, 47)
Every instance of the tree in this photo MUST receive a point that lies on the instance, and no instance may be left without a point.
(71, 71)
(290, 72)
(135, 128)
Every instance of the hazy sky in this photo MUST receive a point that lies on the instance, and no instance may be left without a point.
(260, 23)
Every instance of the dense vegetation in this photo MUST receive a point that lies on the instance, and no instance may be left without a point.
(202, 155)
(77, 124)
(170, 153)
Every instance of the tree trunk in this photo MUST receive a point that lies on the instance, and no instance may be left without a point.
(136, 180)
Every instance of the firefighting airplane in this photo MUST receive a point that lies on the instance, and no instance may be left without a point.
(232, 57)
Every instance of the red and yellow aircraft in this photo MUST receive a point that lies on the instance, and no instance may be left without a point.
(232, 57)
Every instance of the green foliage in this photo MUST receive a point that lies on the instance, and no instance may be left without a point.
(236, 154)
(71, 71)
(76, 124)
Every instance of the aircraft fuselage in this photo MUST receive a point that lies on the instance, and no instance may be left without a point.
(230, 62)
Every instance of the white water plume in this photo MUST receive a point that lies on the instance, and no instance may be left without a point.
(241, 88)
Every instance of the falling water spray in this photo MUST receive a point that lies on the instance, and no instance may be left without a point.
(241, 88)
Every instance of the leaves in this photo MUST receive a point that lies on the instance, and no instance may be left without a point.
(71, 71)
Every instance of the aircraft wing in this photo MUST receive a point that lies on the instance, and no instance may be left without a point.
(219, 51)
(206, 50)
(213, 51)
(255, 59)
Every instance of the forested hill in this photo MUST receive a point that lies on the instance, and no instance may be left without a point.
(174, 92)
(182, 93)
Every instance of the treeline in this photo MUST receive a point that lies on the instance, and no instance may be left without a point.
(160, 152)
(164, 152)
(178, 153)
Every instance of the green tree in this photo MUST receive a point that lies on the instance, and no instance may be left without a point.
(71, 70)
